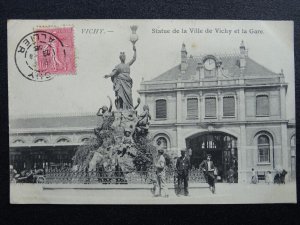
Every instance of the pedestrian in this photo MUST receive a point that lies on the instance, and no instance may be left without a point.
(160, 165)
(279, 177)
(254, 177)
(269, 177)
(12, 173)
(208, 168)
(230, 177)
(183, 166)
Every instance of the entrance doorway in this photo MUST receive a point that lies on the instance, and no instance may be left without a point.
(223, 149)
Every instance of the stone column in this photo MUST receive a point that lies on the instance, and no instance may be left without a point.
(278, 158)
(284, 149)
(243, 145)
(242, 100)
(242, 155)
(282, 102)
(179, 106)
(220, 106)
(201, 107)
(152, 106)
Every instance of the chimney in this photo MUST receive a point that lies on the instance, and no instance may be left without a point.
(281, 76)
(183, 65)
(243, 55)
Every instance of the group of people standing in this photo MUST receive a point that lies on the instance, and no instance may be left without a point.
(183, 166)
(278, 178)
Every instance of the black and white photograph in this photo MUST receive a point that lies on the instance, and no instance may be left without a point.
(151, 111)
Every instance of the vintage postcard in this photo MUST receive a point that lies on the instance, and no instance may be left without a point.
(151, 112)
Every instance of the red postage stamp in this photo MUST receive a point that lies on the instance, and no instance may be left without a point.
(56, 53)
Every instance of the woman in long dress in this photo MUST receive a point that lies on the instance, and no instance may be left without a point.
(122, 82)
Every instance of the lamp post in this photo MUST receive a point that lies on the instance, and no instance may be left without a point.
(134, 37)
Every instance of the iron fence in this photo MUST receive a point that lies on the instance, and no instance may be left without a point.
(57, 176)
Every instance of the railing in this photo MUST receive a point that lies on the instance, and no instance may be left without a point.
(116, 177)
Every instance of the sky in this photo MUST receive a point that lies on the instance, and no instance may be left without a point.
(97, 54)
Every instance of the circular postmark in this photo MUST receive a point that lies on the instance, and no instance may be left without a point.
(37, 55)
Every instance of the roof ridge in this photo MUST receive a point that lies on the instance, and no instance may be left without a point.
(49, 115)
(229, 63)
(231, 54)
(265, 68)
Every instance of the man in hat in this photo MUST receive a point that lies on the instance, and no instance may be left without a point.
(208, 168)
(183, 166)
(160, 164)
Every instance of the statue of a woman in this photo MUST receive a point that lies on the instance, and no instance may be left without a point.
(122, 83)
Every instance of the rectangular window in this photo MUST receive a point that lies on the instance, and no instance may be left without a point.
(262, 105)
(228, 106)
(161, 109)
(210, 107)
(263, 154)
(192, 108)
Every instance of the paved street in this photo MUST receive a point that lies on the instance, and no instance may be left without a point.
(225, 193)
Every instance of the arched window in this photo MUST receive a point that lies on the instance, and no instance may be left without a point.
(293, 141)
(63, 140)
(263, 144)
(262, 105)
(192, 108)
(40, 141)
(85, 139)
(162, 143)
(161, 109)
(19, 141)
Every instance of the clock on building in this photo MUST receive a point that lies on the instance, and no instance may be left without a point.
(210, 64)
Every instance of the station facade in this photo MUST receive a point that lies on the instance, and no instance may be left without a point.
(48, 142)
(228, 106)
